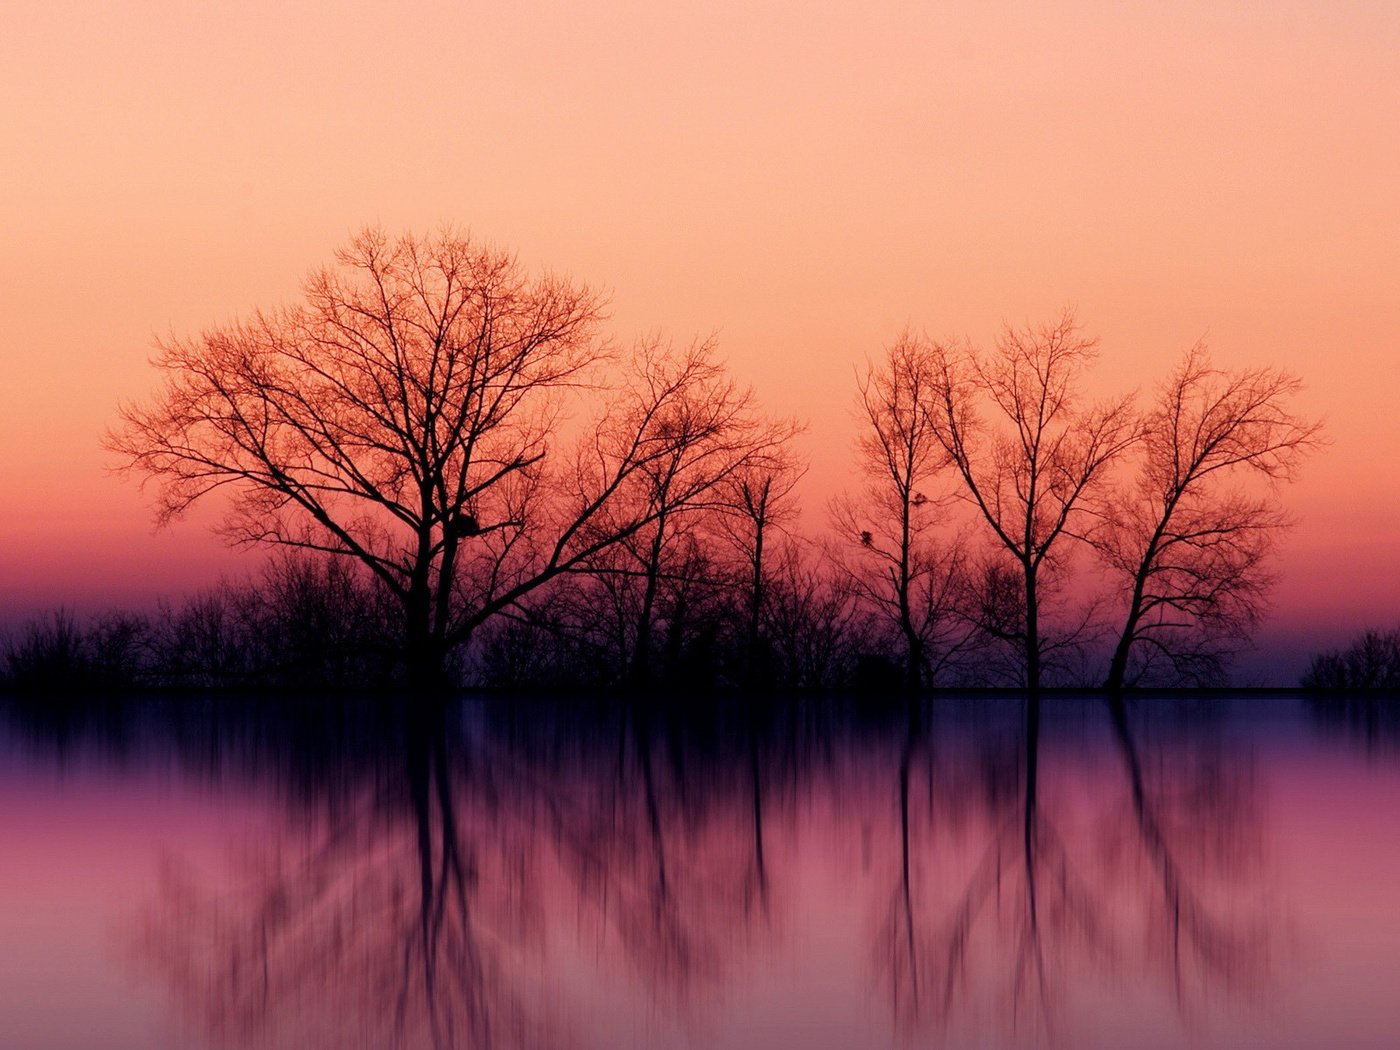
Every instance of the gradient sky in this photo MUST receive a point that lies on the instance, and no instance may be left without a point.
(802, 179)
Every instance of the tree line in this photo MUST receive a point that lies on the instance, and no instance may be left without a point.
(469, 481)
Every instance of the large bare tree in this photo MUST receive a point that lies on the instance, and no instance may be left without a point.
(405, 415)
(1190, 540)
(897, 562)
(1030, 453)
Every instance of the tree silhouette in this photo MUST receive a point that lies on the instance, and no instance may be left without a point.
(1192, 550)
(895, 563)
(1371, 661)
(659, 569)
(1033, 475)
(759, 501)
(813, 621)
(405, 415)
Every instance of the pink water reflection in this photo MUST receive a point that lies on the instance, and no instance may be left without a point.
(1225, 880)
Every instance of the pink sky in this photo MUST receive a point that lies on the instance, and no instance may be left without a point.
(801, 179)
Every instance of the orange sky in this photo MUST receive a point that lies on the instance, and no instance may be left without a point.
(802, 179)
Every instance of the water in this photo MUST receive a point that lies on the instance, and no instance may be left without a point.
(192, 874)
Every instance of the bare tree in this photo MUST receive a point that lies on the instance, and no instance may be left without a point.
(759, 501)
(812, 619)
(709, 433)
(896, 564)
(1031, 470)
(1190, 544)
(403, 415)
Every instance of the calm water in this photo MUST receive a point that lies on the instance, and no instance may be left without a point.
(187, 874)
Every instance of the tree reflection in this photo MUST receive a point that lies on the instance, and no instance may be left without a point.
(489, 875)
(1197, 833)
(1367, 718)
(412, 906)
(1011, 905)
(666, 856)
(389, 916)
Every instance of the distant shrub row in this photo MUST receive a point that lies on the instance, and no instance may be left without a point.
(322, 623)
(305, 622)
(1372, 661)
(319, 623)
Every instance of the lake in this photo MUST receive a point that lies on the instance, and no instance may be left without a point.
(195, 872)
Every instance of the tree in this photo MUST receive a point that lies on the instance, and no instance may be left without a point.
(758, 501)
(813, 621)
(405, 415)
(1371, 661)
(1032, 469)
(1191, 546)
(52, 653)
(896, 565)
(716, 434)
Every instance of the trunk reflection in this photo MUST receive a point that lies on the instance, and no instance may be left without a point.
(486, 875)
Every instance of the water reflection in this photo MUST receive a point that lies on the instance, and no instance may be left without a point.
(1368, 718)
(493, 875)
(1019, 888)
(393, 909)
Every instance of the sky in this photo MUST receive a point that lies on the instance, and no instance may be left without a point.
(802, 180)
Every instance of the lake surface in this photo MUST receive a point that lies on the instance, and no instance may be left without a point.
(190, 873)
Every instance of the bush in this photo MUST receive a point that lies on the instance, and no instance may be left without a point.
(53, 653)
(1372, 661)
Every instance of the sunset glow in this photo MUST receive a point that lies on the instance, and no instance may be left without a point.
(801, 181)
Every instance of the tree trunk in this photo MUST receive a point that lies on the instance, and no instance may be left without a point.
(752, 670)
(1032, 638)
(424, 655)
(1118, 666)
(640, 671)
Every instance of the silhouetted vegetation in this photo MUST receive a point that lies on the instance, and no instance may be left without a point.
(1190, 550)
(1030, 457)
(893, 542)
(304, 622)
(406, 417)
(55, 652)
(399, 437)
(1356, 690)
(1372, 661)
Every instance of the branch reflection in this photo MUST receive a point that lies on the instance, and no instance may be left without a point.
(421, 903)
(401, 910)
(503, 875)
(1013, 908)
